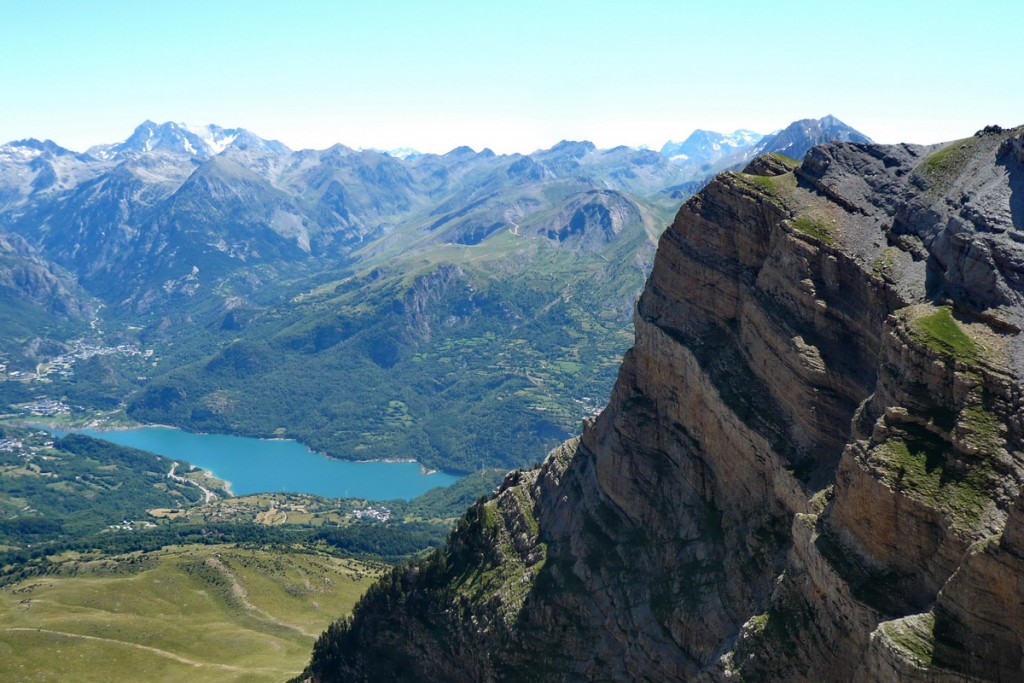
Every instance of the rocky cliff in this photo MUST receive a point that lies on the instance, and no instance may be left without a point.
(809, 467)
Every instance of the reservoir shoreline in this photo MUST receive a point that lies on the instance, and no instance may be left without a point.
(98, 427)
(274, 465)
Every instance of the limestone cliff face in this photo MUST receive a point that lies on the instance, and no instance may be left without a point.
(809, 467)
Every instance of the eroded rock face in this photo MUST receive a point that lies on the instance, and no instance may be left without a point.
(809, 468)
(979, 622)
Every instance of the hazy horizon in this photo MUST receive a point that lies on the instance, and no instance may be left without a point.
(512, 77)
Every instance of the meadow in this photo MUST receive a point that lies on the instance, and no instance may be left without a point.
(197, 613)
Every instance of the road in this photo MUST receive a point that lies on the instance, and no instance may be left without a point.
(210, 495)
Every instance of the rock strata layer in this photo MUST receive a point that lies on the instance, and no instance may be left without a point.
(809, 468)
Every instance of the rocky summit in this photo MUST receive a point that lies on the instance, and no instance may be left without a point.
(809, 468)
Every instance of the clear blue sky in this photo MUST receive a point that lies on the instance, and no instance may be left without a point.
(512, 76)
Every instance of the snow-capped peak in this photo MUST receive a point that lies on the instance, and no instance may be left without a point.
(30, 148)
(398, 152)
(741, 138)
(707, 147)
(12, 151)
(403, 153)
(215, 138)
(172, 138)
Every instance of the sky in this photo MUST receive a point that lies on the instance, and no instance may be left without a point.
(511, 76)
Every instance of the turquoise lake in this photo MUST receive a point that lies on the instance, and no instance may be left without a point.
(263, 466)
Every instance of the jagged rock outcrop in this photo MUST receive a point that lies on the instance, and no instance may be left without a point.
(809, 468)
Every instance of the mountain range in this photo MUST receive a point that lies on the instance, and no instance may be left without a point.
(467, 308)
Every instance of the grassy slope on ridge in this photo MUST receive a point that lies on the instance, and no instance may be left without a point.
(196, 613)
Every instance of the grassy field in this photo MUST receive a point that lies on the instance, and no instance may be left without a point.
(195, 613)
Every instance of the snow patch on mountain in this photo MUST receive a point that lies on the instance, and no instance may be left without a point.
(707, 147)
(215, 138)
(398, 152)
(17, 153)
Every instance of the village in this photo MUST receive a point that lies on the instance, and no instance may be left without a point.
(272, 509)
(46, 407)
(63, 364)
(29, 446)
(62, 367)
(131, 525)
(380, 513)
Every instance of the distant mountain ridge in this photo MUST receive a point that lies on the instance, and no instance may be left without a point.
(323, 202)
(701, 146)
(180, 138)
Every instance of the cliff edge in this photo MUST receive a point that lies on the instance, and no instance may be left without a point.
(809, 467)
